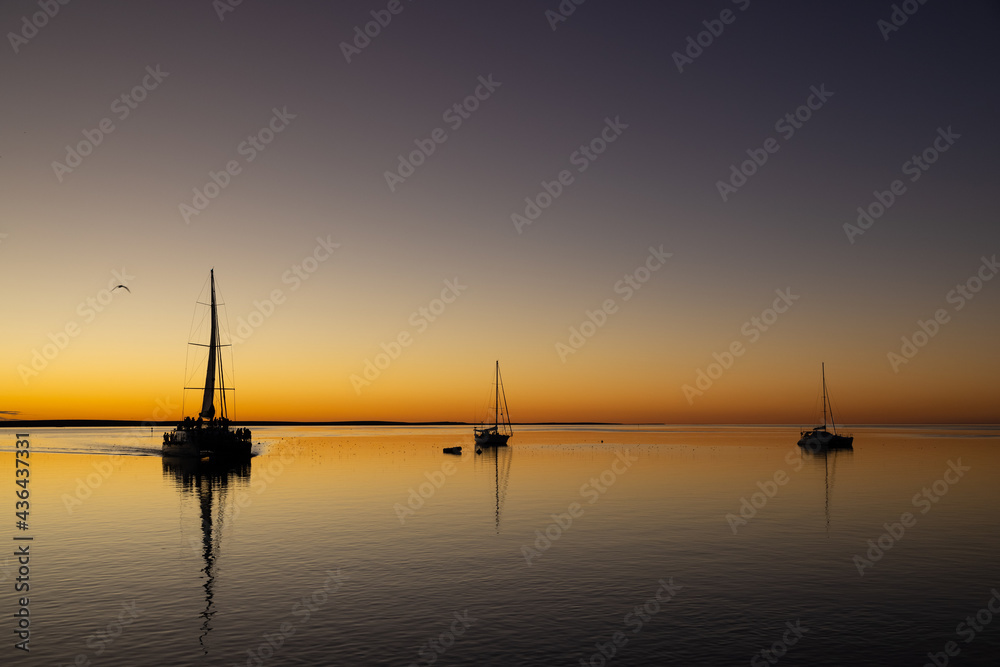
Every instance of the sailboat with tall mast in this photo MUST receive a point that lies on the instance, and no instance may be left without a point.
(498, 434)
(209, 436)
(818, 437)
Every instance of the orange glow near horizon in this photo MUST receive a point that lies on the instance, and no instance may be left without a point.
(623, 374)
(407, 393)
(330, 351)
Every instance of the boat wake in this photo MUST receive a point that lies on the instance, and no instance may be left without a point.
(99, 449)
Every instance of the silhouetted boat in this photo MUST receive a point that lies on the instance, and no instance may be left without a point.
(208, 436)
(452, 450)
(818, 437)
(498, 434)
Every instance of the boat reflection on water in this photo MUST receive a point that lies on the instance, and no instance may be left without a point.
(828, 458)
(496, 460)
(212, 482)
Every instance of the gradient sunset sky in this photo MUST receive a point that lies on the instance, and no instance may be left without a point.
(332, 112)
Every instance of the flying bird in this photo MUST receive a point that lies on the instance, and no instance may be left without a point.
(124, 286)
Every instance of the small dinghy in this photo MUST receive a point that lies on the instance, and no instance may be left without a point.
(452, 450)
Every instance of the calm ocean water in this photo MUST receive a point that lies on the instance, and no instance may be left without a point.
(603, 545)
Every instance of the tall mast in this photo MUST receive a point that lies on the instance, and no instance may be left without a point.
(496, 401)
(207, 407)
(823, 367)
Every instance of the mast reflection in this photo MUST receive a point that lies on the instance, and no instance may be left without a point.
(829, 459)
(500, 458)
(206, 480)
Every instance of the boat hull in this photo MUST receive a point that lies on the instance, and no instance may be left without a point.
(491, 438)
(818, 439)
(207, 442)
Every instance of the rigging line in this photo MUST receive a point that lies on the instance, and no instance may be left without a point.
(187, 360)
(232, 361)
(483, 406)
(187, 354)
(218, 346)
(833, 422)
(504, 393)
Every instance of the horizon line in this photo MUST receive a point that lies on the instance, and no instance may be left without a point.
(60, 423)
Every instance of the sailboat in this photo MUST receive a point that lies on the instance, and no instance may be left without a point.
(498, 434)
(818, 437)
(209, 436)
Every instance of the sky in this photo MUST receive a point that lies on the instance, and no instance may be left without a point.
(647, 212)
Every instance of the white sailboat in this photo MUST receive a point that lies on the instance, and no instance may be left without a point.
(818, 437)
(209, 436)
(498, 434)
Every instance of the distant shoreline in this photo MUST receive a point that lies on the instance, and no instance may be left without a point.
(58, 423)
(67, 423)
